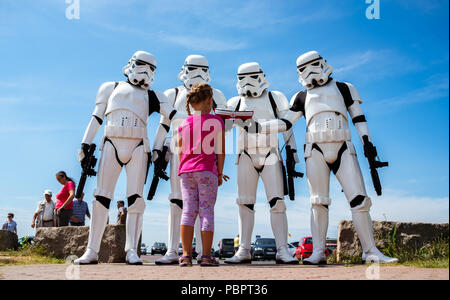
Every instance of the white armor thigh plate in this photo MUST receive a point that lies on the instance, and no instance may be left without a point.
(247, 179)
(318, 176)
(327, 127)
(322, 99)
(130, 98)
(108, 172)
(272, 178)
(349, 174)
(136, 169)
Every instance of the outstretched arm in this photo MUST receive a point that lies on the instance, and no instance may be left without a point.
(285, 123)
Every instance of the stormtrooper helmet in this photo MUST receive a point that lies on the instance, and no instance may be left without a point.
(140, 69)
(313, 70)
(195, 70)
(252, 81)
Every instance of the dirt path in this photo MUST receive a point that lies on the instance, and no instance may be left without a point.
(224, 272)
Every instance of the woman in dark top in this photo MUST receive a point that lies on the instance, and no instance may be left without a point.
(64, 199)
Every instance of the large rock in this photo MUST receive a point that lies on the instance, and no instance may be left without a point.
(8, 240)
(409, 235)
(62, 242)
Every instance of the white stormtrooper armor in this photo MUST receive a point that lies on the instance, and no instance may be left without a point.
(259, 156)
(126, 106)
(195, 70)
(326, 105)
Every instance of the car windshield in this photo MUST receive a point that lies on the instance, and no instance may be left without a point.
(264, 242)
(228, 242)
(308, 241)
(142, 245)
(159, 245)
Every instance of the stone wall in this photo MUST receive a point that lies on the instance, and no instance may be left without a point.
(62, 242)
(410, 235)
(8, 240)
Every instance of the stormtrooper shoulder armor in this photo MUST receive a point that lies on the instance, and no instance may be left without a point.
(219, 98)
(354, 92)
(298, 102)
(280, 101)
(233, 103)
(171, 95)
(104, 92)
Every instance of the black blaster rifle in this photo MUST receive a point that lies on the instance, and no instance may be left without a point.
(159, 172)
(291, 172)
(370, 151)
(87, 166)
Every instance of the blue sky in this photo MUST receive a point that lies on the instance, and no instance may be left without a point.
(53, 66)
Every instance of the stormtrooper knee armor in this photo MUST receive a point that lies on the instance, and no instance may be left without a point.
(259, 157)
(195, 70)
(126, 107)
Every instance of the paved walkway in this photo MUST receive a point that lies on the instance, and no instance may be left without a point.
(224, 272)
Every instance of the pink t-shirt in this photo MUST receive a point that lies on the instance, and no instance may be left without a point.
(200, 134)
(63, 194)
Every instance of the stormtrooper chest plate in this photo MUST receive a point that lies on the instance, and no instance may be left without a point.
(326, 115)
(260, 106)
(327, 98)
(129, 102)
(262, 112)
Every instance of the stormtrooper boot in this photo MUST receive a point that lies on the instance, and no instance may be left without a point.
(278, 220)
(319, 227)
(246, 224)
(135, 218)
(171, 257)
(364, 228)
(97, 228)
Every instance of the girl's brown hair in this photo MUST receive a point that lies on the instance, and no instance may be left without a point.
(199, 92)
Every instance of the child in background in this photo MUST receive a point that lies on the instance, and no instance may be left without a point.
(201, 146)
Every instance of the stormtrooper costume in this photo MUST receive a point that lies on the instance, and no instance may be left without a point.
(194, 70)
(326, 104)
(259, 156)
(126, 106)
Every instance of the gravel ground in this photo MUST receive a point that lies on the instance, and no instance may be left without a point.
(257, 271)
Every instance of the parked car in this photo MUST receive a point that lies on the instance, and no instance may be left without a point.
(292, 249)
(295, 244)
(264, 249)
(180, 249)
(331, 245)
(226, 248)
(158, 248)
(305, 249)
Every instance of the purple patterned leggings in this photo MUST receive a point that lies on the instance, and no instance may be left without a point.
(199, 190)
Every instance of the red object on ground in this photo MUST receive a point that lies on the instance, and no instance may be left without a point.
(305, 249)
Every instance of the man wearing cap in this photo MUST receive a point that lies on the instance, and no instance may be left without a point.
(45, 213)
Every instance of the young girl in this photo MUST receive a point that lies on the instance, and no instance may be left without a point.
(201, 145)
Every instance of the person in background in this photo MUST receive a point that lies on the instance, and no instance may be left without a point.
(64, 199)
(45, 212)
(122, 215)
(10, 225)
(237, 243)
(80, 211)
